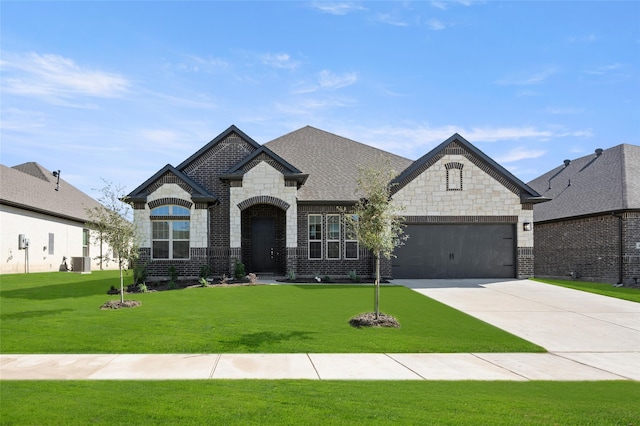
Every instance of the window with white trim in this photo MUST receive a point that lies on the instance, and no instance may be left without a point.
(351, 247)
(85, 242)
(170, 232)
(333, 236)
(315, 236)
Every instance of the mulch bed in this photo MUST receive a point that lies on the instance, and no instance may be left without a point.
(116, 304)
(369, 320)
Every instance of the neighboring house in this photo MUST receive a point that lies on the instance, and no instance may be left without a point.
(276, 208)
(591, 228)
(49, 214)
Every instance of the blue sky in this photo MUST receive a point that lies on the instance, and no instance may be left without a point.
(116, 90)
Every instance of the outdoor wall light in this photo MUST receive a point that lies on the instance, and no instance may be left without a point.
(526, 226)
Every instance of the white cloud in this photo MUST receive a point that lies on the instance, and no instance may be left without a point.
(439, 5)
(332, 81)
(604, 69)
(435, 25)
(563, 110)
(337, 8)
(56, 78)
(279, 60)
(519, 153)
(387, 18)
(528, 79)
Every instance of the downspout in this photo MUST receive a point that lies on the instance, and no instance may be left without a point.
(620, 246)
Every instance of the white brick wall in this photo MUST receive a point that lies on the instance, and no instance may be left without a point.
(263, 180)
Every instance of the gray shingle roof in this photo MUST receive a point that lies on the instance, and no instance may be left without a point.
(30, 186)
(591, 184)
(331, 161)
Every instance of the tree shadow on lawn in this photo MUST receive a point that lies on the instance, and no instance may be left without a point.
(60, 291)
(34, 314)
(255, 340)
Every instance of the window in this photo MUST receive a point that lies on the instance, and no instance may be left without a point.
(51, 240)
(454, 176)
(315, 236)
(85, 243)
(170, 232)
(351, 248)
(333, 236)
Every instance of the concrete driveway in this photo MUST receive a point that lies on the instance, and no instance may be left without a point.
(577, 325)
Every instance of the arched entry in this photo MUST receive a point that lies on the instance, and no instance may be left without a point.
(264, 237)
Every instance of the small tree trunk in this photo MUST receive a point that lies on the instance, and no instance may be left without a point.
(377, 287)
(121, 283)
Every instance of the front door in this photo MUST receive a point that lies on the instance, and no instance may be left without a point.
(263, 244)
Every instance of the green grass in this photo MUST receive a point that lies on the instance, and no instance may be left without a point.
(626, 293)
(285, 402)
(59, 313)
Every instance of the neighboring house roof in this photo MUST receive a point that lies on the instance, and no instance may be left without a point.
(606, 181)
(31, 187)
(198, 193)
(330, 161)
(460, 144)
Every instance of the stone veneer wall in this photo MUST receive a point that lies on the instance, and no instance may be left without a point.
(172, 193)
(589, 248)
(483, 195)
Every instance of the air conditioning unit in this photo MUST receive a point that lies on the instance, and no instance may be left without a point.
(81, 265)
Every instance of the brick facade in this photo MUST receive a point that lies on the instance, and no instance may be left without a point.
(589, 248)
(246, 182)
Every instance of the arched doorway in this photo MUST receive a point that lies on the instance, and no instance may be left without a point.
(264, 237)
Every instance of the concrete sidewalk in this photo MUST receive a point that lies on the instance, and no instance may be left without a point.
(589, 337)
(462, 366)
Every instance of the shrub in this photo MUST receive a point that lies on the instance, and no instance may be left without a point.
(239, 270)
(203, 282)
(139, 273)
(142, 288)
(173, 276)
(353, 275)
(291, 275)
(204, 271)
(253, 278)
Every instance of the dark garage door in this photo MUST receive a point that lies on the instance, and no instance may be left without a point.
(456, 251)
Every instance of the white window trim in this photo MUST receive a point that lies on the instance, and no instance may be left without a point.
(333, 240)
(309, 240)
(171, 240)
(346, 240)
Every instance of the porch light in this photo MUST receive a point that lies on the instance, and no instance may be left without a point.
(526, 226)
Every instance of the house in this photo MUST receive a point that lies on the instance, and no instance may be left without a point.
(591, 228)
(277, 208)
(42, 223)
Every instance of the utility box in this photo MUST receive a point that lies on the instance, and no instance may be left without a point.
(23, 243)
(81, 265)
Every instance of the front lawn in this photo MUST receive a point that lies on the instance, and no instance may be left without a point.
(59, 313)
(626, 293)
(304, 402)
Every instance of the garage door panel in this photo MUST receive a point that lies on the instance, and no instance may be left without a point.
(456, 251)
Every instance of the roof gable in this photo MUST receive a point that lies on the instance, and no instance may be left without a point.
(602, 182)
(456, 144)
(269, 157)
(170, 174)
(222, 136)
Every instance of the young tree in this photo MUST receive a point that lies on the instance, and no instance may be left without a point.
(375, 220)
(111, 222)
